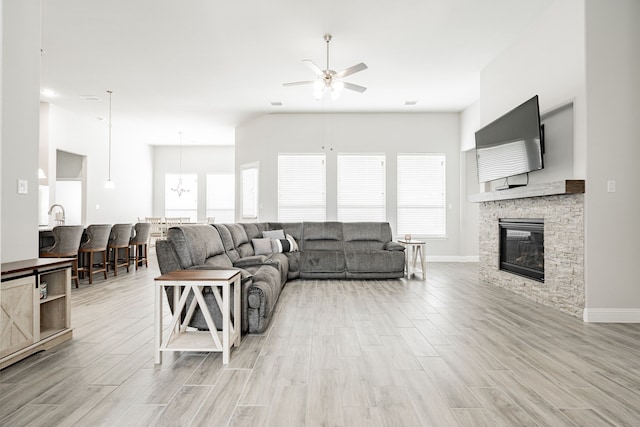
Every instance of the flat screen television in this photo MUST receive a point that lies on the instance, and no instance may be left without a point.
(511, 145)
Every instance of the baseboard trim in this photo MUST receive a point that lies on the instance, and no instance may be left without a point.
(611, 315)
(475, 258)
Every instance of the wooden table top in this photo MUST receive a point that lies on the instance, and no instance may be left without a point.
(33, 264)
(198, 275)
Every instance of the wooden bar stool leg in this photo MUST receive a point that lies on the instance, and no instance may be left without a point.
(104, 263)
(74, 272)
(115, 261)
(91, 267)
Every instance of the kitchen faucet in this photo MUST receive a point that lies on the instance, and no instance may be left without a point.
(58, 218)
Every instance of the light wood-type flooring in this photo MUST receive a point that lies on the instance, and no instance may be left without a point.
(446, 352)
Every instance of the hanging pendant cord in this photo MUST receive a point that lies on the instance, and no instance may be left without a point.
(109, 126)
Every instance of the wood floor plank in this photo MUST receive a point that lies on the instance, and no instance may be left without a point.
(502, 408)
(324, 406)
(450, 386)
(183, 407)
(32, 415)
(289, 407)
(448, 351)
(219, 405)
(431, 408)
(249, 416)
(539, 409)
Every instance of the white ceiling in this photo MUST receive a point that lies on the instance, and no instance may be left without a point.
(204, 66)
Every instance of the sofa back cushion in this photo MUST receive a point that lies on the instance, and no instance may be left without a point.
(227, 242)
(241, 241)
(366, 236)
(254, 229)
(197, 244)
(322, 236)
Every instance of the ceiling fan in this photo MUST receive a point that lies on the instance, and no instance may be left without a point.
(329, 82)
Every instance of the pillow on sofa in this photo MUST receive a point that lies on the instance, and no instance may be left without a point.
(294, 244)
(284, 245)
(274, 234)
(262, 246)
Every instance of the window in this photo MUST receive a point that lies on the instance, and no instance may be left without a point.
(361, 187)
(221, 197)
(421, 195)
(301, 187)
(249, 177)
(181, 195)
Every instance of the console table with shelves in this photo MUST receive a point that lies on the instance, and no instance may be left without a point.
(30, 321)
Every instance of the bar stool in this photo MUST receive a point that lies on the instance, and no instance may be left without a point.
(140, 242)
(118, 240)
(98, 237)
(66, 243)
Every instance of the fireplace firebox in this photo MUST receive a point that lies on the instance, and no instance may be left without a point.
(522, 247)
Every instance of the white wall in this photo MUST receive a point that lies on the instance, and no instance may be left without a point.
(200, 160)
(469, 124)
(264, 137)
(470, 212)
(613, 113)
(19, 137)
(131, 167)
(587, 52)
(548, 61)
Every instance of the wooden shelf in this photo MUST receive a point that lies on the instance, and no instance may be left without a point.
(556, 188)
(50, 298)
(34, 324)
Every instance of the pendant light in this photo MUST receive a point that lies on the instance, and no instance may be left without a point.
(179, 188)
(109, 184)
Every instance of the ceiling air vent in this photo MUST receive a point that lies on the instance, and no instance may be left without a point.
(90, 97)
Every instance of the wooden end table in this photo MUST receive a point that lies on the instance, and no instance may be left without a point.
(415, 247)
(181, 339)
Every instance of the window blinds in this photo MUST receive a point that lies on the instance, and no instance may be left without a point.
(301, 187)
(361, 187)
(421, 195)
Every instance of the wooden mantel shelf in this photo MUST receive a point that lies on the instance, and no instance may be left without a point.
(556, 188)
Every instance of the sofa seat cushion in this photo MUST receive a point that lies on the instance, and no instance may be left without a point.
(375, 261)
(322, 261)
(280, 262)
(294, 262)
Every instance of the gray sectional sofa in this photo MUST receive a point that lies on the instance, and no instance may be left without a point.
(268, 254)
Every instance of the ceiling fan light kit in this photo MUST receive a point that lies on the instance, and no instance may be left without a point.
(328, 82)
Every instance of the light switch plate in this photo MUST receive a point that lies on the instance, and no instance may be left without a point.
(23, 186)
(611, 186)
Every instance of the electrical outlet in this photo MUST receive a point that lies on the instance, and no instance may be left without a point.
(23, 186)
(611, 186)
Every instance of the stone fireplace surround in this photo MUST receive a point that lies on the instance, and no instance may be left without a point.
(561, 204)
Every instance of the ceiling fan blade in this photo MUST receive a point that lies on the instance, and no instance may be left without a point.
(351, 70)
(305, 82)
(352, 86)
(312, 65)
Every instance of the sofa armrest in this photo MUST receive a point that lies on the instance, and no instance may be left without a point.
(393, 246)
(251, 261)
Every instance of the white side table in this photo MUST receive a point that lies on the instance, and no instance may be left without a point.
(178, 337)
(415, 248)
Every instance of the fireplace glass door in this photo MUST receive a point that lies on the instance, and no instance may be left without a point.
(522, 247)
